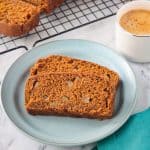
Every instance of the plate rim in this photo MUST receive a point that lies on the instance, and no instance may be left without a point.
(94, 139)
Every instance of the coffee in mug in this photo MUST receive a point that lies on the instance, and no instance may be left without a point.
(136, 21)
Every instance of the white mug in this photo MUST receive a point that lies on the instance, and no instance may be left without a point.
(134, 47)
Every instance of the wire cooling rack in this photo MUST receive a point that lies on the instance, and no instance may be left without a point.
(71, 15)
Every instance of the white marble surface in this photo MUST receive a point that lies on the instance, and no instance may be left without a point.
(103, 32)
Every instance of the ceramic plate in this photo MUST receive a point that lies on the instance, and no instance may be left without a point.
(68, 131)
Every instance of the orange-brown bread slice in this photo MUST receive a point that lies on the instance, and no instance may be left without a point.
(17, 17)
(55, 63)
(69, 94)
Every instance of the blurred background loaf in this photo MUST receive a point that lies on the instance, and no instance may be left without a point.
(18, 17)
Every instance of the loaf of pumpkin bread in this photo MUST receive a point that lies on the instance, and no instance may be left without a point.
(70, 94)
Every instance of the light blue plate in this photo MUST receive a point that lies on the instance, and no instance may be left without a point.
(64, 130)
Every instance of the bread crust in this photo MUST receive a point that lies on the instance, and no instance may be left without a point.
(57, 3)
(49, 6)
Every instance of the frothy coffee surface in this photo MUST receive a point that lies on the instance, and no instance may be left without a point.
(136, 21)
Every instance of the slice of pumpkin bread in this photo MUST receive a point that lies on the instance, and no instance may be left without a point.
(17, 17)
(70, 94)
(56, 63)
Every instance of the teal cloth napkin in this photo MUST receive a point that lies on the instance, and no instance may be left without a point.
(134, 135)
